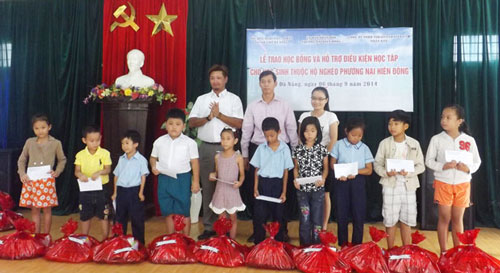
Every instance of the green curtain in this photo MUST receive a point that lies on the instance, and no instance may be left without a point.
(217, 34)
(56, 60)
(478, 91)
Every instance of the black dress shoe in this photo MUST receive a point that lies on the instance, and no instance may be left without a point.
(250, 239)
(206, 234)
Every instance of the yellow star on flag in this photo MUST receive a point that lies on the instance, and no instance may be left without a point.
(162, 21)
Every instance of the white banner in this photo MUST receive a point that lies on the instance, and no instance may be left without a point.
(363, 69)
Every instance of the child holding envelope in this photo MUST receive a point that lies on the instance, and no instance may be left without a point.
(452, 174)
(271, 160)
(92, 165)
(350, 192)
(399, 182)
(311, 161)
(36, 171)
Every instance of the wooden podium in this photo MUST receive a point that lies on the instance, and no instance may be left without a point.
(120, 116)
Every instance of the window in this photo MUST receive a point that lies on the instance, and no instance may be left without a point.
(471, 48)
(5, 54)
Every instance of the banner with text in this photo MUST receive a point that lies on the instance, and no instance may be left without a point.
(363, 69)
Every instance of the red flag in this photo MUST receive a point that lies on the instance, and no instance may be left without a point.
(165, 55)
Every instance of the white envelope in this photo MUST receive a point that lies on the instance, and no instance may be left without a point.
(345, 169)
(41, 172)
(458, 156)
(91, 185)
(309, 180)
(166, 171)
(400, 164)
(224, 181)
(269, 199)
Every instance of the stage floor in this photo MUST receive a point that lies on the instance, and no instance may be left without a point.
(488, 240)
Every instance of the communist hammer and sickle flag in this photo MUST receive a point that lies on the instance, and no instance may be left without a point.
(129, 21)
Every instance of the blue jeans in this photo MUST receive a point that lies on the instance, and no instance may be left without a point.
(311, 216)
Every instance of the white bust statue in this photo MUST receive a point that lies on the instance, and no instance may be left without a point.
(134, 78)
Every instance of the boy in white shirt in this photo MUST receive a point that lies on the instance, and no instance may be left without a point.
(173, 157)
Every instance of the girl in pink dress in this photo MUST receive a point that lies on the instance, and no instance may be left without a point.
(229, 175)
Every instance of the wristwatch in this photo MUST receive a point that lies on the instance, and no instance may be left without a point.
(208, 118)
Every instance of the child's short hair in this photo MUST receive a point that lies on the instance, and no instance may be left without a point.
(354, 123)
(176, 113)
(399, 115)
(39, 117)
(308, 121)
(133, 135)
(270, 123)
(267, 73)
(218, 67)
(89, 130)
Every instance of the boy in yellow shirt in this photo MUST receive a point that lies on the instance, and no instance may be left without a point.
(91, 163)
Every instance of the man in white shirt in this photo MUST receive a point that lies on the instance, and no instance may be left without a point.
(211, 113)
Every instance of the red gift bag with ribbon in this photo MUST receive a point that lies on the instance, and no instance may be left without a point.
(6, 201)
(71, 248)
(221, 250)
(321, 258)
(412, 258)
(468, 257)
(270, 253)
(119, 249)
(175, 248)
(7, 219)
(24, 244)
(367, 257)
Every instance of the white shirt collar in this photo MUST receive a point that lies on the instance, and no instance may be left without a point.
(221, 94)
(174, 139)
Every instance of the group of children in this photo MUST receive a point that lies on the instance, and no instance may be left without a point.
(174, 159)
(93, 163)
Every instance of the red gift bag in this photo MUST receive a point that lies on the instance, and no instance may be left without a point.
(7, 219)
(175, 248)
(367, 257)
(23, 244)
(221, 250)
(412, 258)
(72, 248)
(467, 257)
(321, 258)
(119, 249)
(270, 253)
(6, 201)
(43, 238)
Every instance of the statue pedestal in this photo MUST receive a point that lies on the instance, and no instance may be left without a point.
(120, 116)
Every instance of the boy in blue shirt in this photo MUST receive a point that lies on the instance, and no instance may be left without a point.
(271, 160)
(130, 177)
